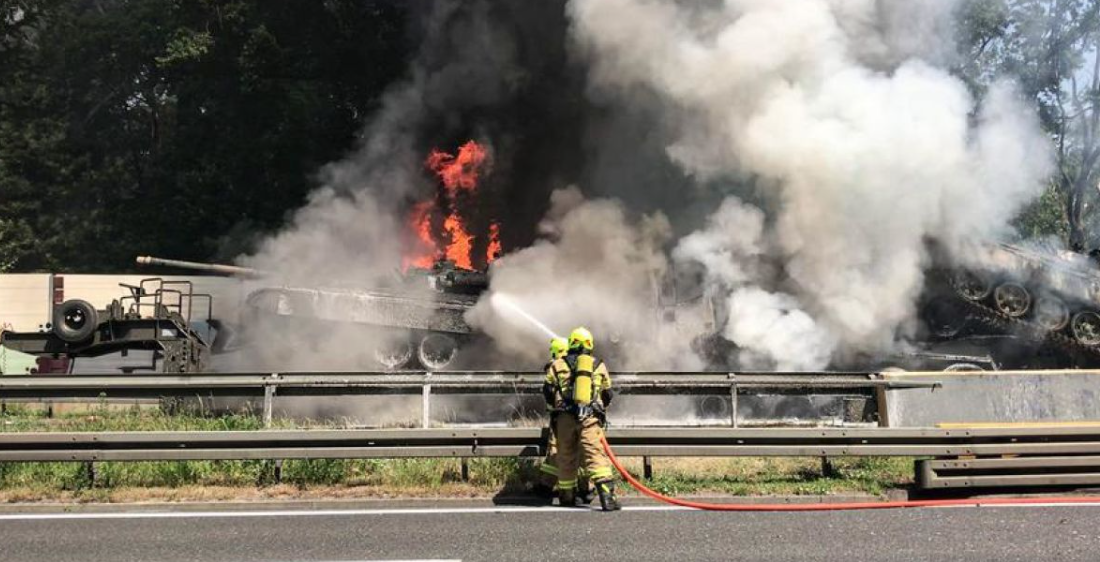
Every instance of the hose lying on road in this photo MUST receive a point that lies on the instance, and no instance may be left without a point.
(837, 506)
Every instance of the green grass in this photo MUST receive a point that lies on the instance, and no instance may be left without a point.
(779, 476)
(390, 477)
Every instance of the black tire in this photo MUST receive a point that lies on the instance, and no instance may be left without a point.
(944, 318)
(713, 408)
(75, 320)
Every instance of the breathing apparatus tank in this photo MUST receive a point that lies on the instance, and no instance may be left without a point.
(582, 380)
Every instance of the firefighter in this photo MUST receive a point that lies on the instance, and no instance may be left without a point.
(578, 386)
(548, 477)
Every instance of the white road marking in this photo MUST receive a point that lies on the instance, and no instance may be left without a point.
(314, 513)
(411, 511)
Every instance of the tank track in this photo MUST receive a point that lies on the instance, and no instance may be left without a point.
(997, 320)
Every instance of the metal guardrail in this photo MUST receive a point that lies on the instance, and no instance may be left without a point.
(1060, 470)
(1064, 456)
(529, 442)
(270, 385)
(39, 386)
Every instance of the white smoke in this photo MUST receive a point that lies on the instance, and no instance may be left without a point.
(839, 113)
(594, 267)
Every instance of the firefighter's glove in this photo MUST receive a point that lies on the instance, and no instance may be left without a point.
(548, 394)
(606, 395)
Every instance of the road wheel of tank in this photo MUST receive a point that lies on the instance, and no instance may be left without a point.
(394, 354)
(1012, 299)
(944, 317)
(436, 351)
(1051, 313)
(972, 286)
(1086, 327)
(75, 320)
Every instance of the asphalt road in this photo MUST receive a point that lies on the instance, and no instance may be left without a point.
(1003, 534)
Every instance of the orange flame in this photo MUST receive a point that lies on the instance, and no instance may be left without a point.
(459, 175)
(458, 172)
(458, 250)
(420, 221)
(493, 250)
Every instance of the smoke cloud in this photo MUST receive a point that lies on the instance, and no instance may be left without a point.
(843, 122)
(479, 69)
(784, 162)
(596, 266)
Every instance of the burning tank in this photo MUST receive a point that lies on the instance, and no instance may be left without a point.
(415, 315)
(1050, 298)
(419, 314)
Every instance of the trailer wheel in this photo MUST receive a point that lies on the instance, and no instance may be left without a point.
(75, 320)
(944, 318)
(436, 351)
(713, 408)
(963, 368)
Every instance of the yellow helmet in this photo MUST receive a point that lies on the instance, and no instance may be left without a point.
(558, 347)
(580, 338)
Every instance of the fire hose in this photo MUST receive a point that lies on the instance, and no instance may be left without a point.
(975, 502)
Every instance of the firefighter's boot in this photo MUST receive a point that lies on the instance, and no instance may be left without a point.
(606, 490)
(584, 491)
(567, 498)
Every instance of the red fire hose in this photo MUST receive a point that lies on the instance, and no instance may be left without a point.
(837, 506)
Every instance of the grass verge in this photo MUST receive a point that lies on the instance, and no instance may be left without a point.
(373, 478)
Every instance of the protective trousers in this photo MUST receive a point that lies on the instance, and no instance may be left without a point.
(548, 471)
(579, 441)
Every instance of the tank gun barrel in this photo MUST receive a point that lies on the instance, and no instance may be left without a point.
(236, 271)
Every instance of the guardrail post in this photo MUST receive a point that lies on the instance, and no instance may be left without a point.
(881, 407)
(89, 473)
(426, 402)
(269, 400)
(464, 469)
(647, 468)
(733, 399)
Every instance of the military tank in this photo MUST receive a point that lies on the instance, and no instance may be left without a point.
(1048, 297)
(419, 313)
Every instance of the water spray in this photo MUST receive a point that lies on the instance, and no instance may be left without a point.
(499, 300)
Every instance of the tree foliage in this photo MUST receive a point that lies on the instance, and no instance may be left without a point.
(1052, 49)
(168, 126)
(180, 127)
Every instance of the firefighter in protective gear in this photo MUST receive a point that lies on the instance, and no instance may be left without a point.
(578, 388)
(548, 471)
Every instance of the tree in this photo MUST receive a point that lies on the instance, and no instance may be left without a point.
(1052, 48)
(163, 126)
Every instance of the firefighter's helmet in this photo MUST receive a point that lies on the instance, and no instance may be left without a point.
(558, 347)
(580, 339)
